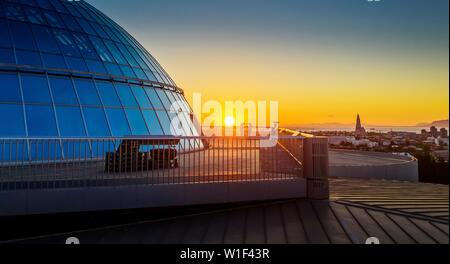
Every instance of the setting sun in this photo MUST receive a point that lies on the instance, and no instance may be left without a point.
(229, 121)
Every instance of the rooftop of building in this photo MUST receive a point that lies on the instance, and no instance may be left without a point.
(392, 211)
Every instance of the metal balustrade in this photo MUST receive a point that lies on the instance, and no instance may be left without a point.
(90, 162)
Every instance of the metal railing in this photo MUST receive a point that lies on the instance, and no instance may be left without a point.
(31, 163)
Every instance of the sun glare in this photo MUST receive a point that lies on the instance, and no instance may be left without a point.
(229, 121)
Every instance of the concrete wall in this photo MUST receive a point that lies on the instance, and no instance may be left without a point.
(402, 171)
(26, 202)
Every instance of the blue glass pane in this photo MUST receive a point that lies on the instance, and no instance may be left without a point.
(174, 102)
(35, 89)
(44, 4)
(127, 71)
(136, 122)
(11, 124)
(85, 46)
(66, 43)
(126, 96)
(154, 98)
(150, 75)
(127, 55)
(87, 93)
(10, 88)
(152, 122)
(70, 121)
(113, 69)
(5, 41)
(7, 56)
(45, 39)
(28, 58)
(118, 122)
(162, 95)
(34, 15)
(95, 66)
(77, 64)
(140, 73)
(40, 121)
(14, 12)
(21, 35)
(53, 19)
(63, 92)
(86, 27)
(108, 94)
(54, 61)
(141, 97)
(96, 122)
(115, 52)
(165, 122)
(71, 23)
(101, 49)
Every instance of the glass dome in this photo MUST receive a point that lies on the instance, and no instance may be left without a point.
(67, 70)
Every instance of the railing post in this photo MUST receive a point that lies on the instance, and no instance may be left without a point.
(315, 159)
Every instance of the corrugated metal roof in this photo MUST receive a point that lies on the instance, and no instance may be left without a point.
(394, 212)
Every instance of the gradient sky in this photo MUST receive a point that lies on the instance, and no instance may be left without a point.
(323, 60)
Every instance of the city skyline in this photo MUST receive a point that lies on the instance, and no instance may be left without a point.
(388, 62)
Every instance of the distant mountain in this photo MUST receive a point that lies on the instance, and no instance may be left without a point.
(440, 123)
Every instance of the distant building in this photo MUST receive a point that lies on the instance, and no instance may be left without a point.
(360, 131)
(444, 133)
(434, 131)
(337, 140)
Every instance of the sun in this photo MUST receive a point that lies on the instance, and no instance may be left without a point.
(229, 121)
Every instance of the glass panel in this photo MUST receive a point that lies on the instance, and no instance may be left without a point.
(113, 69)
(86, 27)
(63, 92)
(96, 122)
(115, 52)
(126, 96)
(118, 122)
(35, 89)
(162, 95)
(21, 35)
(108, 94)
(53, 19)
(41, 121)
(154, 98)
(87, 93)
(66, 43)
(127, 55)
(76, 64)
(136, 122)
(152, 122)
(35, 16)
(53, 61)
(85, 46)
(10, 88)
(127, 71)
(12, 124)
(165, 122)
(5, 41)
(70, 121)
(95, 66)
(7, 56)
(14, 12)
(71, 23)
(28, 58)
(44, 4)
(141, 97)
(101, 49)
(176, 105)
(45, 39)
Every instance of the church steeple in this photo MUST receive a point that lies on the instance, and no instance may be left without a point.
(360, 132)
(358, 123)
